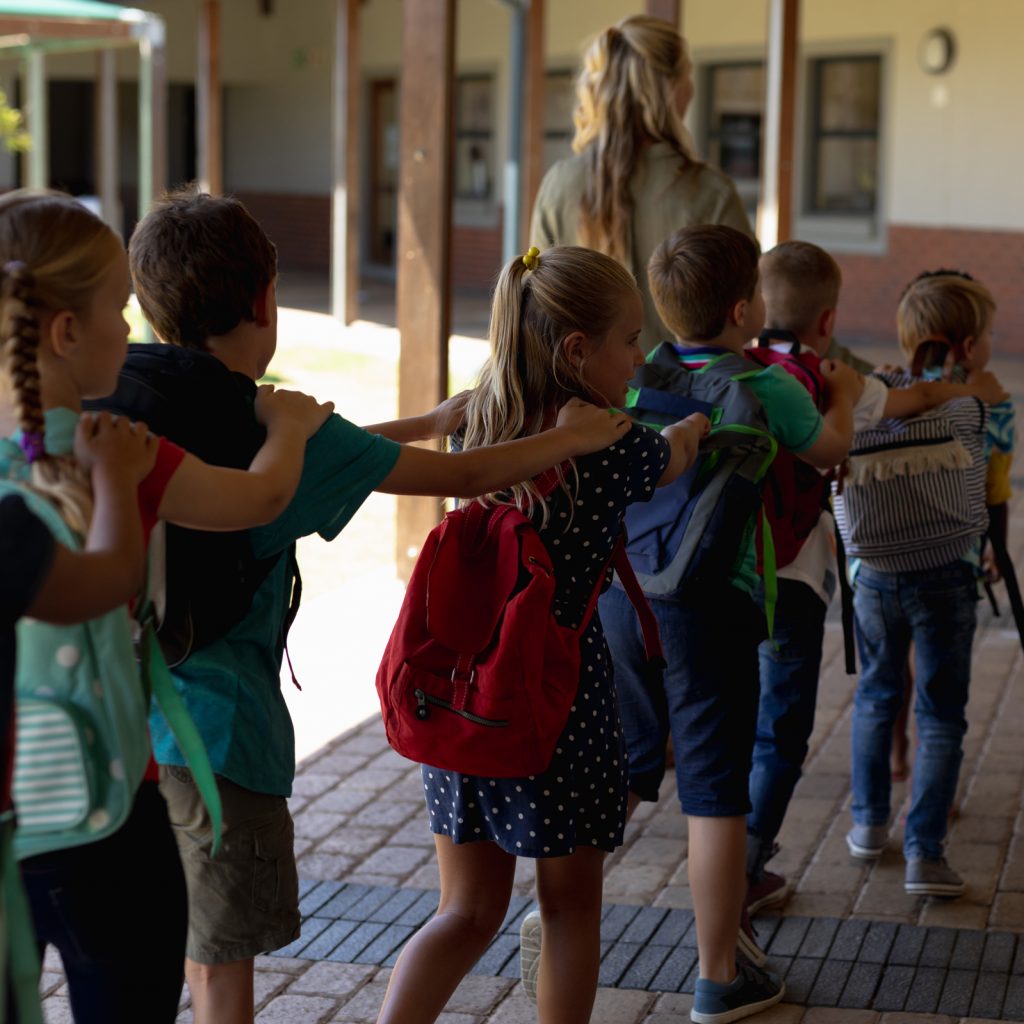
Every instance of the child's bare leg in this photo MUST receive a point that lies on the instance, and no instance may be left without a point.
(476, 884)
(221, 993)
(718, 881)
(569, 892)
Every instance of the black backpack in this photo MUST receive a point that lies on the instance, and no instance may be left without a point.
(204, 584)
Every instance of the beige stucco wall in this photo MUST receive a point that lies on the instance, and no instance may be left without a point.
(953, 143)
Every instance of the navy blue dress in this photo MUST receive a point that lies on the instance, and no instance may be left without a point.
(581, 798)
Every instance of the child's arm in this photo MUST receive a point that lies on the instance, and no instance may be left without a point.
(206, 497)
(684, 438)
(844, 388)
(581, 428)
(83, 584)
(927, 394)
(441, 421)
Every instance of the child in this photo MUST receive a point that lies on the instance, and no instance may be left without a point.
(801, 285)
(50, 582)
(205, 274)
(705, 284)
(566, 322)
(65, 283)
(933, 608)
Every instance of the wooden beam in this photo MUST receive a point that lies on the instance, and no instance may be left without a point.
(345, 218)
(424, 234)
(775, 211)
(209, 101)
(533, 116)
(668, 10)
(65, 28)
(106, 139)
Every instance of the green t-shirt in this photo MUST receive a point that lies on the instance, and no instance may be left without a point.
(794, 421)
(232, 687)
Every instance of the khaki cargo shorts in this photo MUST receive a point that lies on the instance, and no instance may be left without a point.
(245, 901)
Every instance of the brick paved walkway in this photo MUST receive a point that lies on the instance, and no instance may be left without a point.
(854, 947)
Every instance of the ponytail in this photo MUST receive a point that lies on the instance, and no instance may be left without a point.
(539, 300)
(58, 477)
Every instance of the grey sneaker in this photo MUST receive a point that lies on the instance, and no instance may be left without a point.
(932, 878)
(867, 842)
(529, 952)
(752, 991)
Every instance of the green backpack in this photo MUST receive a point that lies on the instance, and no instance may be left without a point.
(82, 744)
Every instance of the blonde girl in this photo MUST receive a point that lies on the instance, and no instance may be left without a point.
(634, 179)
(114, 906)
(565, 324)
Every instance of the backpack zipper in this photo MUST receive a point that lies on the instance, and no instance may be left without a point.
(423, 711)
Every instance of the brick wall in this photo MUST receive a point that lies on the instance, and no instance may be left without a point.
(300, 227)
(872, 284)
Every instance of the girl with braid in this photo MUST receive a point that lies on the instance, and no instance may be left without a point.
(114, 906)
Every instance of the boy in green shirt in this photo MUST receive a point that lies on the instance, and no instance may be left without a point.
(705, 284)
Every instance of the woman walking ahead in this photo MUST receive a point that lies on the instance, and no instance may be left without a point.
(565, 324)
(633, 180)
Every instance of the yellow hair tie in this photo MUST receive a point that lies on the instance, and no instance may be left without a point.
(531, 258)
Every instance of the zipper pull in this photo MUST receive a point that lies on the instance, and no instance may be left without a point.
(422, 711)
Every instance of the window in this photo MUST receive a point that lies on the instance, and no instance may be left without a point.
(842, 170)
(559, 102)
(474, 137)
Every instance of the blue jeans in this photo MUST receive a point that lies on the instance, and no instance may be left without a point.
(708, 700)
(789, 666)
(934, 608)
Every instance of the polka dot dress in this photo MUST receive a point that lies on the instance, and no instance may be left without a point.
(581, 798)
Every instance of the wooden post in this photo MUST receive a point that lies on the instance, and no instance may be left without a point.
(668, 10)
(152, 115)
(533, 116)
(775, 211)
(209, 135)
(106, 138)
(345, 217)
(38, 119)
(424, 234)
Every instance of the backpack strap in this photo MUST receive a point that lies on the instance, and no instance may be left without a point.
(770, 334)
(656, 663)
(845, 602)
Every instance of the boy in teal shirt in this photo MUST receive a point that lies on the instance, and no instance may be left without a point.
(705, 285)
(205, 274)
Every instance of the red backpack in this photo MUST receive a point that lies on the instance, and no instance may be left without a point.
(478, 676)
(794, 492)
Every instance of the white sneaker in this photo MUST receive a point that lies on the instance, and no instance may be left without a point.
(529, 952)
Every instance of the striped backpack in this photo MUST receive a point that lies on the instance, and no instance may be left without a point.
(912, 493)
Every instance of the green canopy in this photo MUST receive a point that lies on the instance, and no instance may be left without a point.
(91, 10)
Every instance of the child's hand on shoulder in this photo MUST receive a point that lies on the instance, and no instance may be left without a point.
(115, 446)
(842, 379)
(593, 427)
(276, 408)
(450, 414)
(986, 386)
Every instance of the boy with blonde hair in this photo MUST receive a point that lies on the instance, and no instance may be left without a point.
(927, 598)
(801, 284)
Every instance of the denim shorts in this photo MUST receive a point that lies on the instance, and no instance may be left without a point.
(245, 901)
(707, 703)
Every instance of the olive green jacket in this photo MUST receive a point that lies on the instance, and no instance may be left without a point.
(667, 195)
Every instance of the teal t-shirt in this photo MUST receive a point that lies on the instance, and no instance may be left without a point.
(232, 687)
(794, 421)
